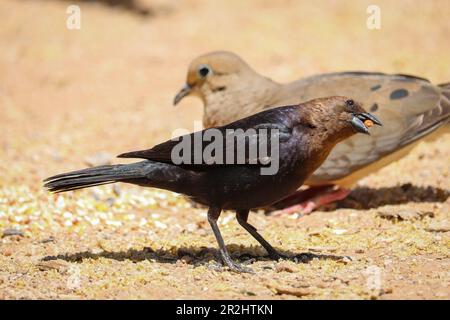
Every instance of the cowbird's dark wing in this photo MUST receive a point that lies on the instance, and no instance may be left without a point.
(252, 131)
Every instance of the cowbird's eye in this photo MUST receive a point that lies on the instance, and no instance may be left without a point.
(203, 71)
(350, 103)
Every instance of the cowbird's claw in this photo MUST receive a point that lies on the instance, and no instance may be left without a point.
(236, 267)
(304, 257)
(298, 258)
(278, 256)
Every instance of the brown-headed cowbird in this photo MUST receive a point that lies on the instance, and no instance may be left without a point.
(410, 108)
(304, 135)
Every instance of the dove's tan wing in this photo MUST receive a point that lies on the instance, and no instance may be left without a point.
(409, 108)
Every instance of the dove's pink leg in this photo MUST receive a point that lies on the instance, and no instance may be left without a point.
(324, 195)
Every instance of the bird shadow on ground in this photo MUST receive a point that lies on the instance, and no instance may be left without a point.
(131, 6)
(190, 255)
(364, 198)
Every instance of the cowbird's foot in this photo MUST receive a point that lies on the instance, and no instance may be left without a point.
(249, 261)
(302, 257)
(278, 256)
(238, 268)
(215, 266)
(308, 206)
(306, 257)
(213, 215)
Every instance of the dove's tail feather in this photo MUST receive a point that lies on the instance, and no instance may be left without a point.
(446, 91)
(427, 124)
(445, 102)
(95, 176)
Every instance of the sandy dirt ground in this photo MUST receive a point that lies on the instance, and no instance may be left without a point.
(66, 95)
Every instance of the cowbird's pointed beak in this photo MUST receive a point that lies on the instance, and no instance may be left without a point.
(186, 90)
(360, 122)
(369, 116)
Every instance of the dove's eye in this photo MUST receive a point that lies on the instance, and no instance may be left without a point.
(350, 103)
(203, 71)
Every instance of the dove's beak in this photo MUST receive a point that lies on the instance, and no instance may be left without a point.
(185, 91)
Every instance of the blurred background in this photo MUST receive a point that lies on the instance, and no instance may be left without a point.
(65, 94)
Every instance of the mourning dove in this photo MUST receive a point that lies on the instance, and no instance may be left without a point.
(410, 108)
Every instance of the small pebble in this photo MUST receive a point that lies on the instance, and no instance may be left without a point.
(187, 259)
(116, 189)
(439, 226)
(47, 240)
(297, 292)
(410, 214)
(322, 249)
(12, 232)
(284, 266)
(339, 231)
(58, 265)
(191, 227)
(7, 252)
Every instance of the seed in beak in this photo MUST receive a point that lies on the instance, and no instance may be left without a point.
(368, 123)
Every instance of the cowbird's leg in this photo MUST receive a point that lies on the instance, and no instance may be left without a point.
(307, 206)
(242, 216)
(213, 216)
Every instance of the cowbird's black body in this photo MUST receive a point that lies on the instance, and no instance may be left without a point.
(227, 186)
(306, 135)
(236, 187)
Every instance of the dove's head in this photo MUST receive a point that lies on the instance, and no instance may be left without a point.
(211, 73)
(229, 88)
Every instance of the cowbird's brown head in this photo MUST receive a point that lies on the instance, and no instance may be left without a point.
(337, 118)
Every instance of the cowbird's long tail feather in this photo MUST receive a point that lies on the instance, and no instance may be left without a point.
(95, 176)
